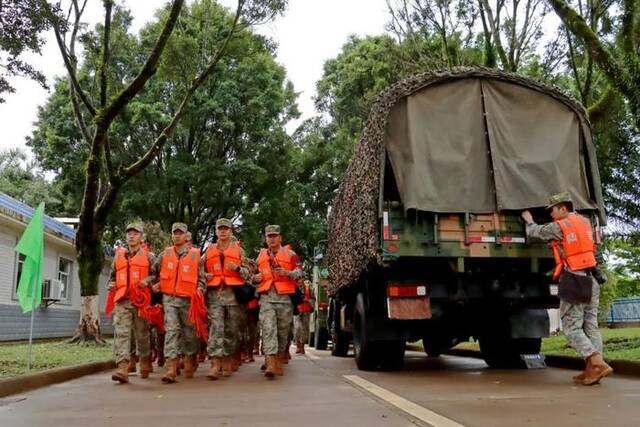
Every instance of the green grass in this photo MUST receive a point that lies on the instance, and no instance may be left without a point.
(619, 344)
(48, 354)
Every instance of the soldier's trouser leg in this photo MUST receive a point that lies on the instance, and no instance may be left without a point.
(252, 334)
(301, 327)
(190, 339)
(141, 332)
(172, 331)
(580, 324)
(215, 344)
(122, 325)
(285, 326)
(269, 328)
(233, 322)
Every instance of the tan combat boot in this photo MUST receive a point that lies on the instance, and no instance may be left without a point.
(270, 370)
(171, 374)
(145, 366)
(121, 373)
(215, 371)
(597, 369)
(190, 365)
(226, 366)
(132, 365)
(278, 366)
(300, 348)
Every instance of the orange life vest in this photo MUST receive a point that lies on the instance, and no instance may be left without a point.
(578, 246)
(179, 277)
(283, 259)
(222, 274)
(129, 271)
(306, 307)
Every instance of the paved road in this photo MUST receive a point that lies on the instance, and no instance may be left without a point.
(320, 390)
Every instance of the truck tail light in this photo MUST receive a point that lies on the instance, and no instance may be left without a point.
(404, 291)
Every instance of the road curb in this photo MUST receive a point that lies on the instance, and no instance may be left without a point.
(28, 382)
(622, 367)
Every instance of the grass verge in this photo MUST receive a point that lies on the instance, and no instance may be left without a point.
(619, 344)
(48, 354)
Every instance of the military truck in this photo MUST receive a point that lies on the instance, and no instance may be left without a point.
(319, 336)
(425, 236)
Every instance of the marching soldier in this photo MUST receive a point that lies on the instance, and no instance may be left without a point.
(279, 270)
(178, 274)
(130, 268)
(301, 321)
(571, 238)
(226, 268)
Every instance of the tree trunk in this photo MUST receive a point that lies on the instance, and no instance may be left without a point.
(90, 262)
(88, 328)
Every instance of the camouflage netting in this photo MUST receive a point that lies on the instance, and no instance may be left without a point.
(353, 222)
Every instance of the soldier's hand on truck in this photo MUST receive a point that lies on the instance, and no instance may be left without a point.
(527, 217)
(257, 278)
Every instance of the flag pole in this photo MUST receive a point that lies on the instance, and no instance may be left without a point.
(33, 310)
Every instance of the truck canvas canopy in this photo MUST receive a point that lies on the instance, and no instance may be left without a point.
(482, 145)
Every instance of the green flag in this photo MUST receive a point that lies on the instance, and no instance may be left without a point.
(31, 245)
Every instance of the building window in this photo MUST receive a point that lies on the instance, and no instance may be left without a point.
(64, 276)
(21, 259)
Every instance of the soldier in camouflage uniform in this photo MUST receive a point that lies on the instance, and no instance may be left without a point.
(177, 273)
(301, 321)
(579, 320)
(226, 267)
(130, 267)
(279, 270)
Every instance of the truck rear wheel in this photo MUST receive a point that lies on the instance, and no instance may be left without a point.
(369, 354)
(504, 353)
(321, 336)
(341, 340)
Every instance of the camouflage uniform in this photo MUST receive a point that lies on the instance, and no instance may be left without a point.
(180, 336)
(130, 332)
(301, 327)
(579, 321)
(276, 317)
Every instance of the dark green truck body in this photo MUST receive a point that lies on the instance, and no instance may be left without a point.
(421, 249)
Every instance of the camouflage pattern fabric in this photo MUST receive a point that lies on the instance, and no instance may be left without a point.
(301, 327)
(225, 320)
(128, 328)
(180, 337)
(276, 320)
(580, 324)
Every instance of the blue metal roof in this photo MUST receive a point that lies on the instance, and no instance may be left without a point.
(24, 213)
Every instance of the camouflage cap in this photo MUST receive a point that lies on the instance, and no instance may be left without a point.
(563, 197)
(271, 229)
(223, 222)
(135, 226)
(179, 226)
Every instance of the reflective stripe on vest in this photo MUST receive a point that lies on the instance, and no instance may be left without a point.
(266, 264)
(578, 246)
(222, 273)
(129, 271)
(179, 277)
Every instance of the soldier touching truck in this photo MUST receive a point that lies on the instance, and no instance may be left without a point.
(571, 237)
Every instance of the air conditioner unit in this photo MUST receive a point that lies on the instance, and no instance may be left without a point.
(57, 287)
(52, 290)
